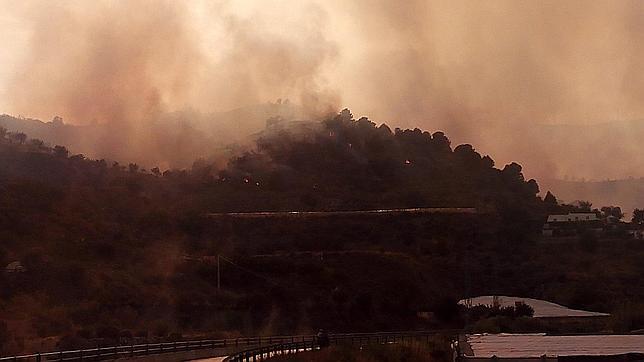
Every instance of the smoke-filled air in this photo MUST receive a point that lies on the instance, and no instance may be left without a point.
(554, 85)
(321, 180)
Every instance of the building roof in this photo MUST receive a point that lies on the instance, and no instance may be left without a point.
(538, 344)
(542, 308)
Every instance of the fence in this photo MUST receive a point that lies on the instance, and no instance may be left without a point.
(252, 347)
(137, 350)
(277, 349)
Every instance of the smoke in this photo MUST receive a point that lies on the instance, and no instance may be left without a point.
(508, 61)
(111, 61)
(104, 62)
(496, 73)
(263, 64)
(502, 75)
(128, 64)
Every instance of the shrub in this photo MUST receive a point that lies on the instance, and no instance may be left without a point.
(523, 310)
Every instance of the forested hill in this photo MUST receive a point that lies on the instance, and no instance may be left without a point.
(104, 245)
(340, 163)
(344, 163)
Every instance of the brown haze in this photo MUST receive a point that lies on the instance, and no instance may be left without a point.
(505, 76)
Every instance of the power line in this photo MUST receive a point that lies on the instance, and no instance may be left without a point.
(241, 268)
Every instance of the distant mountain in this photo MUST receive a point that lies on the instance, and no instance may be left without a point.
(610, 150)
(628, 194)
(174, 140)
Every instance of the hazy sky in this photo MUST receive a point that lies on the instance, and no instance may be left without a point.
(469, 67)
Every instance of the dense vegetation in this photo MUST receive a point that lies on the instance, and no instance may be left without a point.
(113, 252)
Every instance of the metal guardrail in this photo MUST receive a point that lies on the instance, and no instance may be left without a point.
(266, 352)
(253, 346)
(278, 349)
(137, 350)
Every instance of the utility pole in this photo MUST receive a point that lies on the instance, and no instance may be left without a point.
(218, 274)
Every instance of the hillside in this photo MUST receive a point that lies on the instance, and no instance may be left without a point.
(117, 252)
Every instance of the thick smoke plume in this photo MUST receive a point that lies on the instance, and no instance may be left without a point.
(127, 65)
(498, 74)
(105, 62)
(108, 61)
(494, 73)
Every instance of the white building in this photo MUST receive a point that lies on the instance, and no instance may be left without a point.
(567, 224)
(573, 216)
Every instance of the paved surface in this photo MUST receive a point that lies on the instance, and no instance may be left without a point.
(536, 345)
(542, 308)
